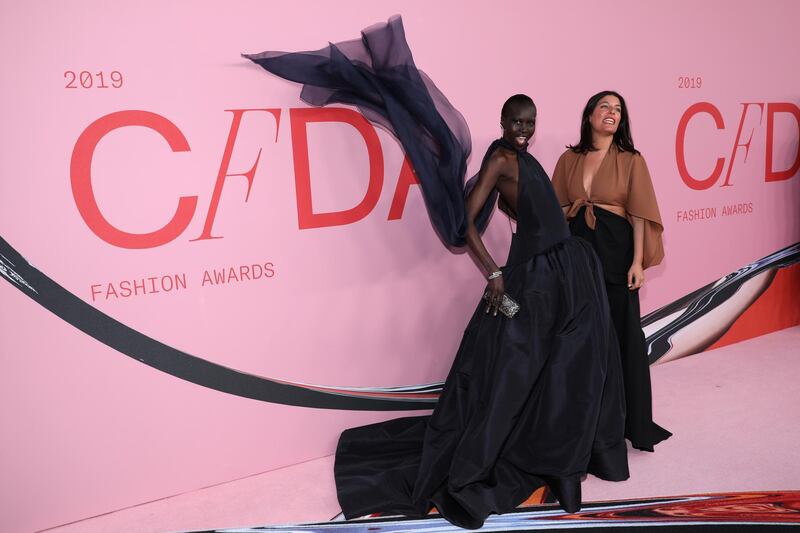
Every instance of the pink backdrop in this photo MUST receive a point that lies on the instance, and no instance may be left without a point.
(376, 302)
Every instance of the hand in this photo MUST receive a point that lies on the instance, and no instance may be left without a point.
(635, 276)
(494, 294)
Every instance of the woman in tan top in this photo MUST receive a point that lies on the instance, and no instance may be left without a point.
(604, 187)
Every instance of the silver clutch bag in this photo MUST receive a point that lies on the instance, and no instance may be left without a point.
(507, 305)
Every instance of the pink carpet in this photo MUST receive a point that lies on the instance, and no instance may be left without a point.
(734, 413)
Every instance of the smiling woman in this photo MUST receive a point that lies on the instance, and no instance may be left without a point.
(520, 388)
(604, 187)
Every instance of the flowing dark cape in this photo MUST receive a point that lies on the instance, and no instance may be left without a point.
(377, 75)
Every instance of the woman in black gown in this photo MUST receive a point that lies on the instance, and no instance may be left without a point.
(530, 400)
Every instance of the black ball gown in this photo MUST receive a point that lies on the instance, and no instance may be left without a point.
(531, 400)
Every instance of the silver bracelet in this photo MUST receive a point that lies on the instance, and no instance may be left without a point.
(495, 274)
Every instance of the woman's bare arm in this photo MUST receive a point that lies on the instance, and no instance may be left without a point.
(497, 166)
(636, 273)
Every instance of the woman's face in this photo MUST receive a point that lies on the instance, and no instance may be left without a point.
(606, 115)
(519, 125)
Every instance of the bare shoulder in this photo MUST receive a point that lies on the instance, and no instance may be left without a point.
(501, 161)
(503, 155)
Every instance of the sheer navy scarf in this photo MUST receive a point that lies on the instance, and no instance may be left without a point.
(377, 75)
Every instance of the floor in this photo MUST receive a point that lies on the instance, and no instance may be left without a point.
(734, 413)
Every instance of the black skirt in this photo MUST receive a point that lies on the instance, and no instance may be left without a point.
(612, 239)
(532, 400)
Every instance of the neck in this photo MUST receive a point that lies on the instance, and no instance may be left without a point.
(602, 142)
(512, 146)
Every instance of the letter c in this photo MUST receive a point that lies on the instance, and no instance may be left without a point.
(700, 107)
(81, 178)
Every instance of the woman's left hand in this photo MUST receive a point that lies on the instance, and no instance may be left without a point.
(494, 294)
(635, 276)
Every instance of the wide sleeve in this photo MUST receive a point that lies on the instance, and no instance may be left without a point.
(560, 180)
(642, 203)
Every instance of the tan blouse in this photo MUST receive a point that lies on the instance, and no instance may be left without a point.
(622, 185)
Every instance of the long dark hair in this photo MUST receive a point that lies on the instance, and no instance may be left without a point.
(622, 137)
